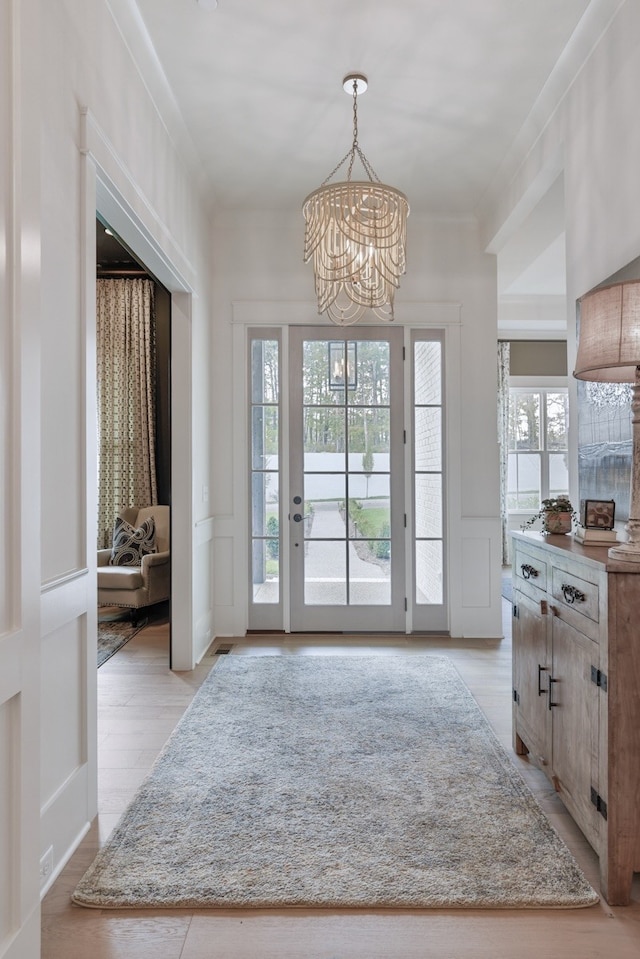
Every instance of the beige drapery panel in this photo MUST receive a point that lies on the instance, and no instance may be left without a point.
(126, 384)
(504, 350)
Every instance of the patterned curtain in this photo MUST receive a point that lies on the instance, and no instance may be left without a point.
(503, 440)
(126, 384)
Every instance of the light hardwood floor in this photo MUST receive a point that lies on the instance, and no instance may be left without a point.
(140, 701)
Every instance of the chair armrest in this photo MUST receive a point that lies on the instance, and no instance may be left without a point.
(155, 559)
(103, 557)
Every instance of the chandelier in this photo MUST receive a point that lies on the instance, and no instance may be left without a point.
(356, 233)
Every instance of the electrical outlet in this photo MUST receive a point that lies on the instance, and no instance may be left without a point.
(46, 866)
(205, 494)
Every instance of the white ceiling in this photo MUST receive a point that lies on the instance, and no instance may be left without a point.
(255, 90)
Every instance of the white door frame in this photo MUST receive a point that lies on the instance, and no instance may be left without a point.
(115, 202)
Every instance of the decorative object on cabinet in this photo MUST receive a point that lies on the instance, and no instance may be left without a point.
(356, 236)
(576, 675)
(595, 537)
(609, 352)
(597, 513)
(556, 513)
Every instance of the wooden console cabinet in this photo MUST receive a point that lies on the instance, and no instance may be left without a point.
(576, 690)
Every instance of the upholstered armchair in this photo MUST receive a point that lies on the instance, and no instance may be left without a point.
(147, 582)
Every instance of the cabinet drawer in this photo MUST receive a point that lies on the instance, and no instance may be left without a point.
(578, 599)
(529, 569)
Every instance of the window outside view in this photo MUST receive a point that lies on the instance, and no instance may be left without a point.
(538, 422)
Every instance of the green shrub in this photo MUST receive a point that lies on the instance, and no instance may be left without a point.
(273, 529)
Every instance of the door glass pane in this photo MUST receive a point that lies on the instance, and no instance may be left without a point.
(374, 486)
(324, 506)
(264, 436)
(371, 585)
(324, 439)
(370, 518)
(429, 577)
(266, 571)
(318, 361)
(369, 439)
(428, 438)
(428, 504)
(372, 386)
(265, 502)
(265, 496)
(428, 482)
(325, 573)
(427, 376)
(264, 371)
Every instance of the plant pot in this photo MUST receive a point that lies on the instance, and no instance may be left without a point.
(553, 522)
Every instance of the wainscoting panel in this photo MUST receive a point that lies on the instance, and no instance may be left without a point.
(476, 572)
(475, 579)
(62, 719)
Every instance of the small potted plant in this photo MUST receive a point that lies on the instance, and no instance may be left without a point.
(557, 515)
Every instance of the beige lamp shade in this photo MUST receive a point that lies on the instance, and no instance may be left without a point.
(609, 336)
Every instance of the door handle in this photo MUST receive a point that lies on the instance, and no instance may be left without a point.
(297, 517)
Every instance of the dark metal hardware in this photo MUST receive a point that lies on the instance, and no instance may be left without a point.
(297, 517)
(599, 803)
(516, 696)
(297, 500)
(516, 611)
(541, 670)
(550, 691)
(528, 572)
(571, 594)
(599, 678)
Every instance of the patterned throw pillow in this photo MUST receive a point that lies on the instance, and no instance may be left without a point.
(131, 543)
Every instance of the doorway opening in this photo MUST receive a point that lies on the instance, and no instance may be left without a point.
(134, 432)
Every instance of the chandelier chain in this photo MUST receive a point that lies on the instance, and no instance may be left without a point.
(355, 148)
(355, 145)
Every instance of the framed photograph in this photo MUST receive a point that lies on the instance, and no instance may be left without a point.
(597, 513)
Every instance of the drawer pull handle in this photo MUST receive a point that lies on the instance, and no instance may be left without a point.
(571, 594)
(528, 572)
(550, 692)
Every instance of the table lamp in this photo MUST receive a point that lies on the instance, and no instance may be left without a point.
(609, 352)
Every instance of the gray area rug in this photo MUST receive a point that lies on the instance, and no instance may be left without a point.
(325, 781)
(113, 635)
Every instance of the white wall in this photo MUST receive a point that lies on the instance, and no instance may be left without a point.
(258, 267)
(68, 57)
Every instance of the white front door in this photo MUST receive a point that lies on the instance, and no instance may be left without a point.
(346, 503)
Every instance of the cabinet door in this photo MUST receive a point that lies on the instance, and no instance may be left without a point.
(532, 717)
(575, 703)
